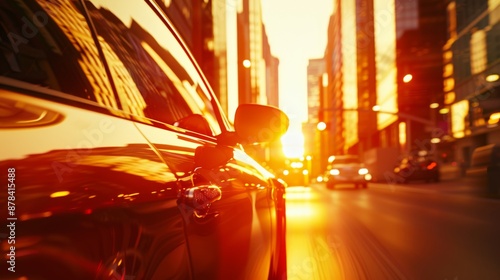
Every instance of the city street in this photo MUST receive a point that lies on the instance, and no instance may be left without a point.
(415, 231)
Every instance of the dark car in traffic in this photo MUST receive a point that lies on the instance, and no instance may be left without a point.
(117, 160)
(417, 167)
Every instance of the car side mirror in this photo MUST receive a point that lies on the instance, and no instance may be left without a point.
(255, 123)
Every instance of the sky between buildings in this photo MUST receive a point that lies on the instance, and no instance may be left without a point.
(297, 32)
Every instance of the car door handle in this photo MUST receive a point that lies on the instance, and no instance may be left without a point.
(200, 198)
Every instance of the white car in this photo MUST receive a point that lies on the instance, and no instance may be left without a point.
(346, 169)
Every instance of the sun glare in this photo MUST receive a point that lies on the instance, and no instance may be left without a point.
(293, 143)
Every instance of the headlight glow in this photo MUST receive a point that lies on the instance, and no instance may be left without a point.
(334, 172)
(363, 171)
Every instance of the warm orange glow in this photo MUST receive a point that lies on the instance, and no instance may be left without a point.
(321, 126)
(298, 193)
(59, 194)
(444, 111)
(247, 63)
(431, 166)
(449, 98)
(435, 140)
(402, 134)
(294, 49)
(293, 143)
(146, 169)
(459, 111)
(25, 217)
(331, 159)
(311, 247)
(407, 78)
(492, 78)
(494, 118)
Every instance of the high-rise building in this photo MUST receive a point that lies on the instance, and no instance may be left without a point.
(471, 77)
(251, 65)
(315, 69)
(366, 71)
(374, 46)
(332, 97)
(271, 64)
(312, 140)
(421, 30)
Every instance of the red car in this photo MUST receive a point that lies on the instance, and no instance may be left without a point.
(117, 161)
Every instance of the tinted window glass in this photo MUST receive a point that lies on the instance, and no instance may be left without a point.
(153, 75)
(50, 44)
(345, 160)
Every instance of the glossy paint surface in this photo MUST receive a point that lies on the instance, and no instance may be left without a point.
(113, 177)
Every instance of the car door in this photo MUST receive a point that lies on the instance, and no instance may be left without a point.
(225, 197)
(88, 196)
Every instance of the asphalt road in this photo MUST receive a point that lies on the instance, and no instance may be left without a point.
(416, 231)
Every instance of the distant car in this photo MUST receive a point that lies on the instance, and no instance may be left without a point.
(420, 167)
(296, 174)
(346, 169)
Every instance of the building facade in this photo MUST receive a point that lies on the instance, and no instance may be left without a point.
(471, 58)
(312, 139)
(251, 67)
(384, 61)
(421, 35)
(332, 96)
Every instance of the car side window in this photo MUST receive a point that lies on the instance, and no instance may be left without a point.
(50, 44)
(153, 75)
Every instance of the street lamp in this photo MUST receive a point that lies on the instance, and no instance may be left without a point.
(434, 105)
(321, 126)
(492, 78)
(407, 78)
(247, 63)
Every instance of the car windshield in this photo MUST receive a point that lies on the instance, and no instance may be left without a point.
(345, 160)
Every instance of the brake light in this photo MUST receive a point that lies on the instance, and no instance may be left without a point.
(431, 166)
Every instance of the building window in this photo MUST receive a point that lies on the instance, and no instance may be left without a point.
(494, 9)
(459, 118)
(452, 20)
(478, 52)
